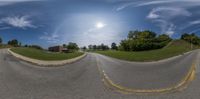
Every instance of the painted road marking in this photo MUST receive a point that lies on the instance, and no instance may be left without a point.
(183, 83)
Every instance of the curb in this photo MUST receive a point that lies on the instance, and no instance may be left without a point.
(124, 90)
(46, 63)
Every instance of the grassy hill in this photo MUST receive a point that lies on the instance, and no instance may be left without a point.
(174, 48)
(44, 55)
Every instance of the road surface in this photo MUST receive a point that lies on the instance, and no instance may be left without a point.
(82, 79)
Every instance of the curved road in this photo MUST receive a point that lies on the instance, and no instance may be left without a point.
(82, 79)
(148, 75)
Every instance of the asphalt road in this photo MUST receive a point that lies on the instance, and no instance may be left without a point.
(148, 75)
(82, 79)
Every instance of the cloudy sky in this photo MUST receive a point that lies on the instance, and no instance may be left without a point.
(52, 22)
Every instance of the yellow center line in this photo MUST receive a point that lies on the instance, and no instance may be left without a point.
(107, 81)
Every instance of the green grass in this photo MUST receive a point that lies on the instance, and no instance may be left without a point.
(4, 46)
(176, 47)
(44, 55)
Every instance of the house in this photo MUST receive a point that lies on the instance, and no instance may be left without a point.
(57, 49)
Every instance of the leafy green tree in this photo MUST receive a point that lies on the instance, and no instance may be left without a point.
(94, 47)
(84, 48)
(141, 34)
(14, 43)
(125, 45)
(90, 47)
(114, 46)
(64, 45)
(192, 38)
(104, 47)
(1, 40)
(163, 37)
(131, 35)
(146, 34)
(143, 40)
(26, 45)
(72, 46)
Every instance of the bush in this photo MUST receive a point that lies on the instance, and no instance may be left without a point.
(143, 40)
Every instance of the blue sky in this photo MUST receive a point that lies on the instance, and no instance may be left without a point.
(52, 22)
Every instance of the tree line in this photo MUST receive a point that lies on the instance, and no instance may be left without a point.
(71, 46)
(135, 41)
(97, 47)
(15, 43)
(144, 40)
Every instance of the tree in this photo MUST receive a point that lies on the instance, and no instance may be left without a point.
(191, 38)
(84, 48)
(90, 47)
(72, 46)
(125, 45)
(146, 34)
(94, 47)
(131, 35)
(141, 34)
(143, 40)
(26, 45)
(13, 42)
(1, 40)
(163, 37)
(114, 46)
(64, 45)
(104, 47)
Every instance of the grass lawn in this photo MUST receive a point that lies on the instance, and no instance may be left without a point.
(175, 48)
(4, 46)
(44, 55)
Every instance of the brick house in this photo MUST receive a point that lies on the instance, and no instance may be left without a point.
(57, 49)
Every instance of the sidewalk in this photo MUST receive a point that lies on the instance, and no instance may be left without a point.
(46, 63)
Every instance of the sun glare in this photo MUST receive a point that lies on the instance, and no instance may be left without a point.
(100, 25)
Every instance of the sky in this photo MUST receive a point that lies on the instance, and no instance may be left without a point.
(55, 22)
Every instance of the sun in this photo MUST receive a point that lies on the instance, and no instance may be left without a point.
(100, 25)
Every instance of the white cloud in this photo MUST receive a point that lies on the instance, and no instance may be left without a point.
(51, 38)
(168, 12)
(191, 23)
(152, 2)
(124, 6)
(10, 2)
(195, 30)
(19, 22)
(152, 15)
(54, 37)
(195, 22)
(163, 17)
(171, 30)
(140, 3)
(179, 3)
